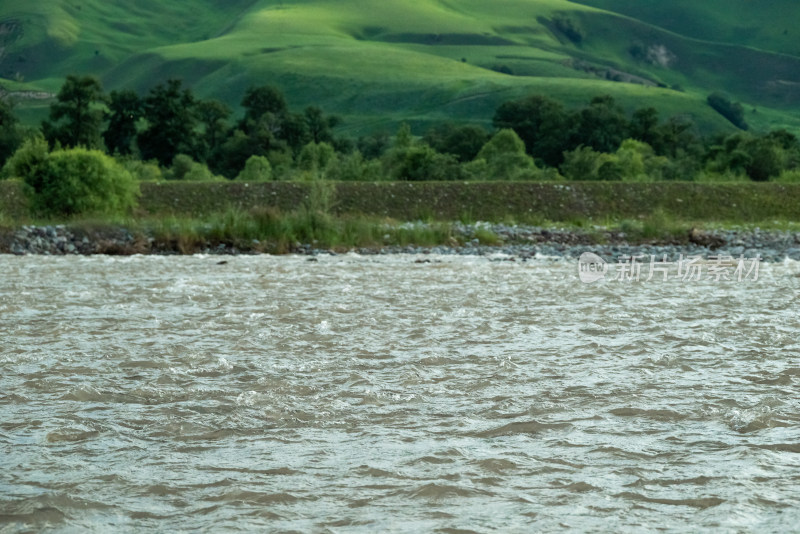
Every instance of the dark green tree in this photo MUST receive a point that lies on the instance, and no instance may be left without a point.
(10, 135)
(125, 110)
(258, 101)
(644, 126)
(235, 151)
(602, 125)
(766, 159)
(77, 115)
(540, 122)
(733, 111)
(213, 116)
(320, 126)
(677, 138)
(374, 145)
(171, 123)
(292, 131)
(462, 141)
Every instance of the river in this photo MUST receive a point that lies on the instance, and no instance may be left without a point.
(394, 393)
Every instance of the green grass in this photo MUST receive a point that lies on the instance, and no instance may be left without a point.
(277, 217)
(379, 63)
(523, 202)
(269, 230)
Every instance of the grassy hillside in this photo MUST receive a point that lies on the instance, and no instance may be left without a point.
(377, 63)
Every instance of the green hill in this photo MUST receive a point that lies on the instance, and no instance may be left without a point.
(377, 63)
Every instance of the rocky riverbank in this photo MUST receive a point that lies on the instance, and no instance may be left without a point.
(515, 241)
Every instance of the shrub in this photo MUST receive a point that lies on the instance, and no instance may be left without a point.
(315, 156)
(28, 158)
(256, 169)
(144, 171)
(185, 168)
(583, 163)
(74, 181)
(353, 166)
(421, 162)
(463, 141)
(639, 162)
(505, 157)
(569, 28)
(790, 176)
(733, 111)
(411, 160)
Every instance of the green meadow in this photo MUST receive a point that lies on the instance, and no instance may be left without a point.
(422, 61)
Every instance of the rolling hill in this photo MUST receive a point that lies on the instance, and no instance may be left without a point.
(377, 63)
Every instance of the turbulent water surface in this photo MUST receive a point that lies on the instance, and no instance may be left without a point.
(379, 393)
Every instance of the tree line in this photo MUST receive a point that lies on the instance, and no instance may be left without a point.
(170, 133)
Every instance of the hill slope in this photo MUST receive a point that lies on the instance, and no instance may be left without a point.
(420, 60)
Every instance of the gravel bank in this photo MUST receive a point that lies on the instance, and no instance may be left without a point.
(515, 241)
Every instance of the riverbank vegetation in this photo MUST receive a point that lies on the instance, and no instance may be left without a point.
(170, 156)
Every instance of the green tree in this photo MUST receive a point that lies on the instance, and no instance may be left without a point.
(10, 135)
(267, 127)
(421, 162)
(292, 131)
(505, 157)
(462, 141)
(316, 157)
(584, 163)
(374, 145)
(411, 160)
(171, 123)
(256, 169)
(236, 150)
(186, 169)
(759, 158)
(28, 159)
(568, 27)
(540, 122)
(602, 125)
(353, 166)
(258, 101)
(320, 127)
(213, 116)
(77, 115)
(733, 111)
(644, 126)
(639, 163)
(125, 110)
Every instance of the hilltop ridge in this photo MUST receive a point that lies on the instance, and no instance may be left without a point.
(377, 63)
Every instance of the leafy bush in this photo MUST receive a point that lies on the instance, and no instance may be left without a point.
(353, 166)
(733, 111)
(569, 28)
(411, 160)
(73, 181)
(315, 157)
(634, 161)
(792, 176)
(421, 162)
(583, 163)
(185, 168)
(639, 162)
(256, 169)
(505, 157)
(28, 159)
(144, 171)
(462, 141)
